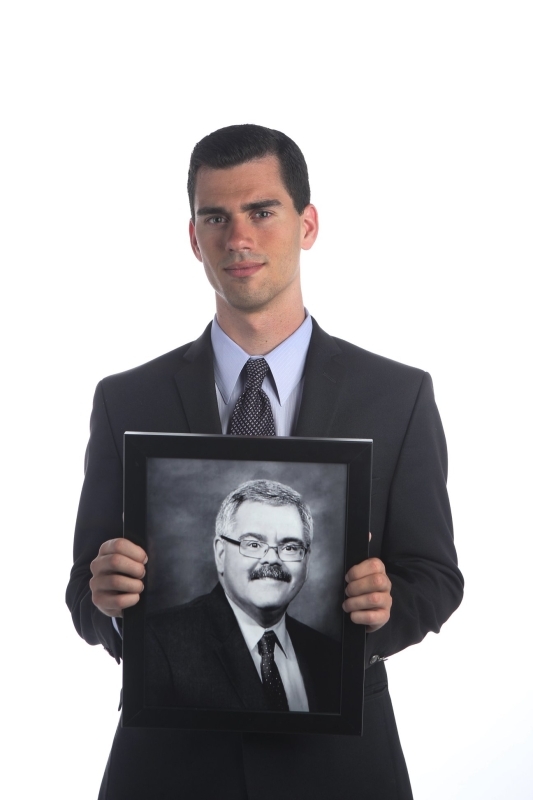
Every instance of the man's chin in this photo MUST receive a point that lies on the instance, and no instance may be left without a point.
(247, 297)
(269, 592)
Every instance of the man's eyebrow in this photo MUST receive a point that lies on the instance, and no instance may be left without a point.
(259, 536)
(205, 210)
(255, 206)
(291, 540)
(259, 204)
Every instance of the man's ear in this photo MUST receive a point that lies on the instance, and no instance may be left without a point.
(309, 223)
(194, 240)
(220, 550)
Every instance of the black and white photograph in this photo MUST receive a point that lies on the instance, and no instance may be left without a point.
(245, 583)
(263, 547)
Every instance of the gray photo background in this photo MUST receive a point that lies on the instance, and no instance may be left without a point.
(183, 498)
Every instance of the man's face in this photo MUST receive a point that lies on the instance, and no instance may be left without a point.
(262, 587)
(247, 233)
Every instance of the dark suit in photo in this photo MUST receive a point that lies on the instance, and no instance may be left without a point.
(348, 392)
(196, 657)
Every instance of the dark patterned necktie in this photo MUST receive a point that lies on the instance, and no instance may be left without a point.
(272, 684)
(252, 415)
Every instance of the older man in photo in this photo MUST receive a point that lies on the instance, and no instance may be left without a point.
(236, 647)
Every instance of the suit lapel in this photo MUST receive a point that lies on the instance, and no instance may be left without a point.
(305, 663)
(321, 392)
(322, 383)
(196, 386)
(240, 668)
(233, 652)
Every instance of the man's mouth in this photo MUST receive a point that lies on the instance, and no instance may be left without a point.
(270, 571)
(243, 268)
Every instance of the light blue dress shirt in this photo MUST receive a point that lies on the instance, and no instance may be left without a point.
(283, 385)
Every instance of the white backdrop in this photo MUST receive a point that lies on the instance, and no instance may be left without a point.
(416, 122)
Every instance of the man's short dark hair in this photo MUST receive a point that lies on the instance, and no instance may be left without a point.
(262, 491)
(237, 144)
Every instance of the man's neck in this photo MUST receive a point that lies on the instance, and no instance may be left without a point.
(259, 332)
(243, 617)
(265, 617)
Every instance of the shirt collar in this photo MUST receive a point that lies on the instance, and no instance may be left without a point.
(286, 361)
(252, 632)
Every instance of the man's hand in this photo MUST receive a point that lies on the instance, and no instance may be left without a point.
(368, 594)
(117, 571)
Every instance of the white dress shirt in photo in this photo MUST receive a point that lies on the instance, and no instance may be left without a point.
(284, 656)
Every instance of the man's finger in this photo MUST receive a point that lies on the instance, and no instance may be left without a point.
(376, 582)
(125, 548)
(117, 563)
(368, 602)
(367, 567)
(115, 583)
(113, 605)
(372, 620)
(372, 610)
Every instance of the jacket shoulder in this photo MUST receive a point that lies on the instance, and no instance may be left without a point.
(370, 370)
(166, 365)
(361, 359)
(145, 397)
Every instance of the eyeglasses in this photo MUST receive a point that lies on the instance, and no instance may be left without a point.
(253, 548)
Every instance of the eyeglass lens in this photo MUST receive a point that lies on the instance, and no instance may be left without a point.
(291, 551)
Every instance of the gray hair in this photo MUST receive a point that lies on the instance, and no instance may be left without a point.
(270, 492)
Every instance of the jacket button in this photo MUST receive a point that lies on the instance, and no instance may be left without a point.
(374, 659)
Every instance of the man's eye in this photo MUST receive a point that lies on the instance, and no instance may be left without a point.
(263, 214)
(215, 220)
(250, 545)
(292, 548)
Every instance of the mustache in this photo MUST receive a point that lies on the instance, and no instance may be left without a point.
(270, 571)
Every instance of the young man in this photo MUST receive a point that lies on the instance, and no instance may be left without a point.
(265, 367)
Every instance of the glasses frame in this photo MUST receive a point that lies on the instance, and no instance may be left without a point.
(276, 547)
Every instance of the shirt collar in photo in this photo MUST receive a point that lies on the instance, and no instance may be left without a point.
(286, 361)
(252, 632)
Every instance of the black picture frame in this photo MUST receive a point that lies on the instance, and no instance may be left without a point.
(147, 509)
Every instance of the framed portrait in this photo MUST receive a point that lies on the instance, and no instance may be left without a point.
(240, 624)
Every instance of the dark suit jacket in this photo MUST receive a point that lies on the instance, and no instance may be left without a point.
(196, 657)
(348, 392)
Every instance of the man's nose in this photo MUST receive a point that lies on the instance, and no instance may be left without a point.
(240, 235)
(271, 556)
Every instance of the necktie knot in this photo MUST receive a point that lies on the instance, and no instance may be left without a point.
(256, 370)
(267, 643)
